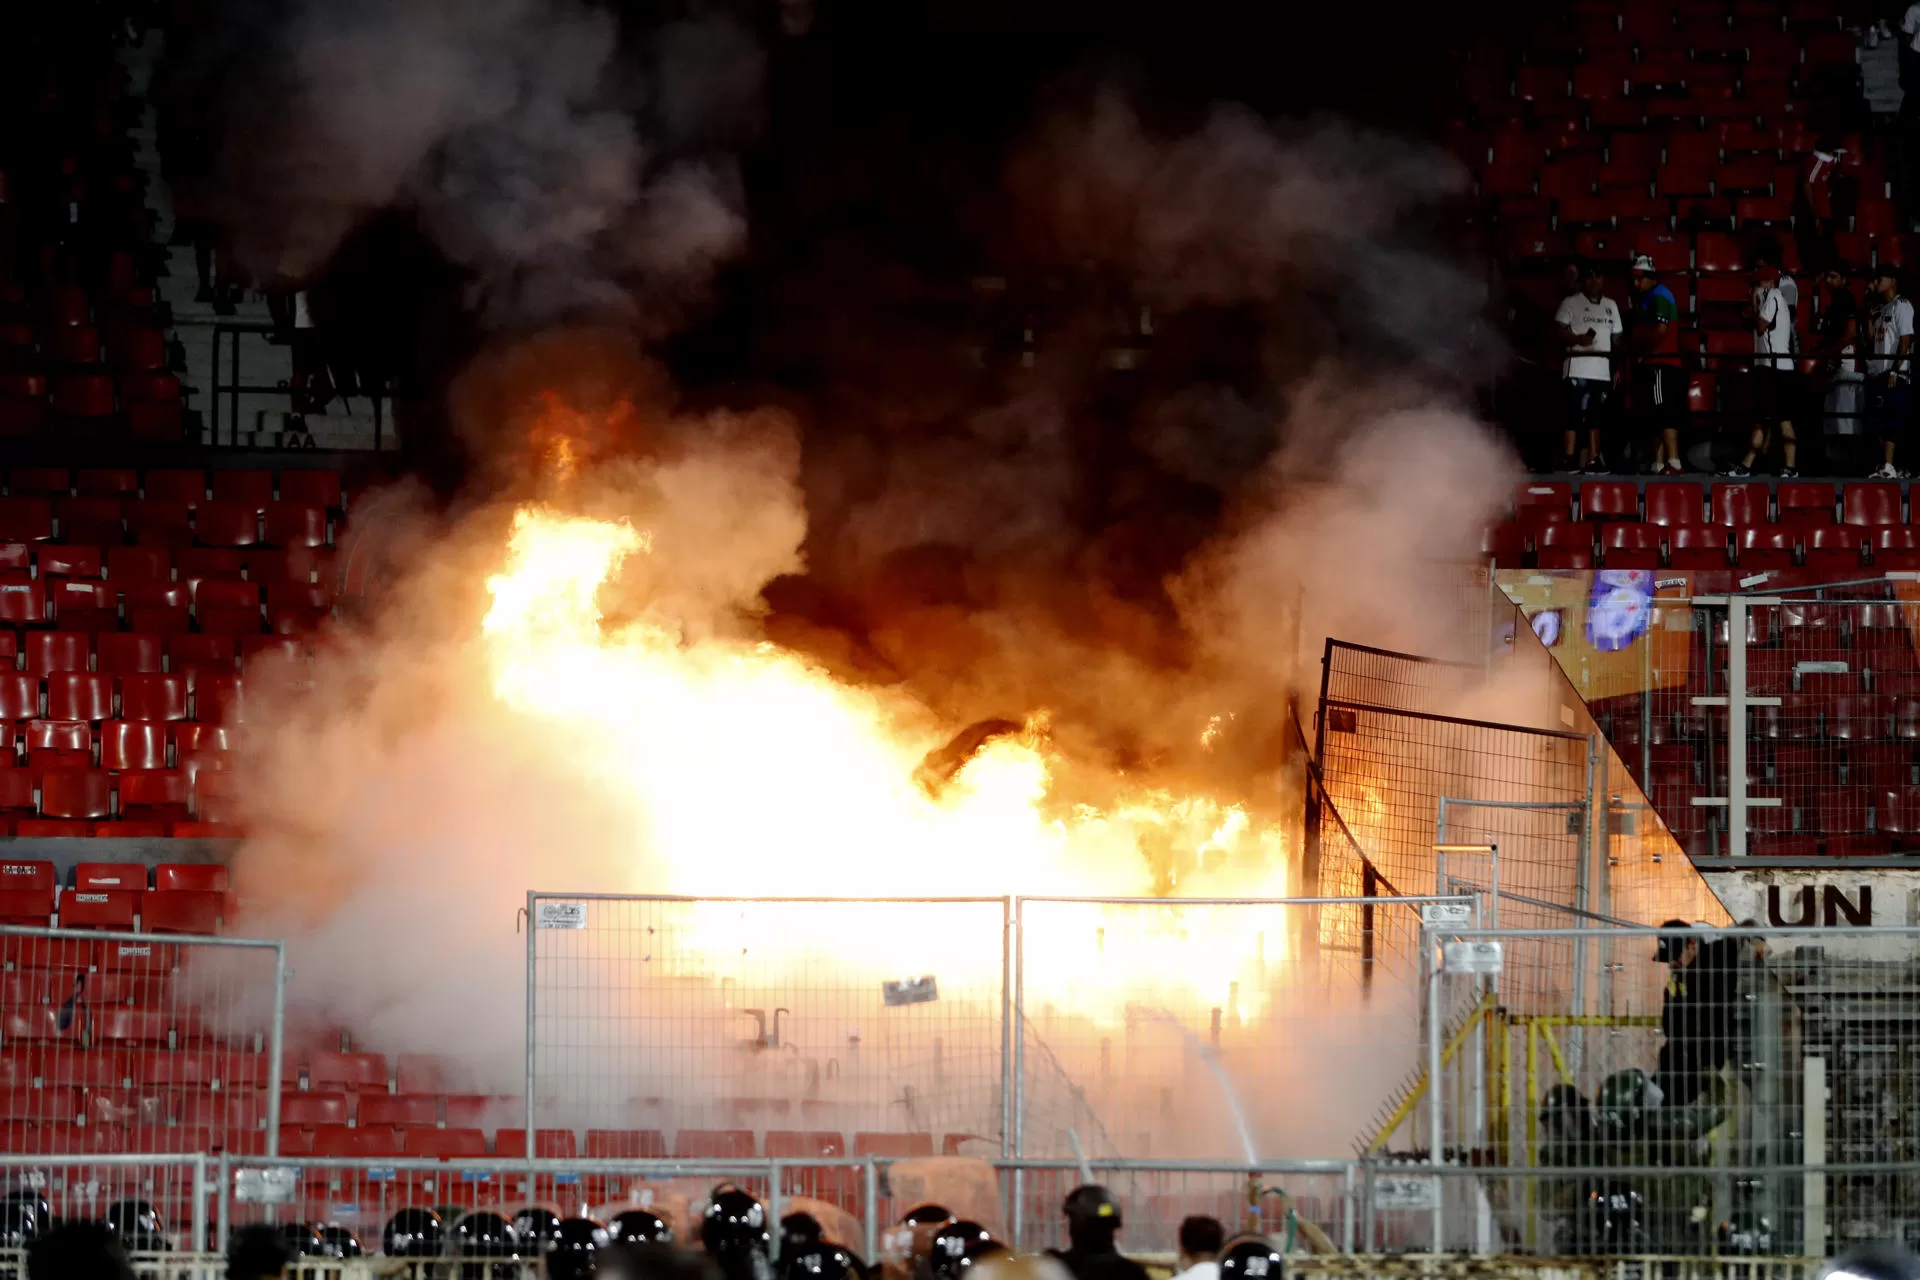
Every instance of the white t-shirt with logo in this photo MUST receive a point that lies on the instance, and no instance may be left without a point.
(1776, 339)
(1890, 322)
(1602, 318)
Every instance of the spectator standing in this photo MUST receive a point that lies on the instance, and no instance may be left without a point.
(1774, 381)
(1659, 384)
(1834, 364)
(1910, 49)
(1890, 368)
(1200, 1241)
(1588, 322)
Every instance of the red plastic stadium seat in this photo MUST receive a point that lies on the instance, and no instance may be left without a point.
(108, 482)
(714, 1144)
(1716, 253)
(904, 1146)
(129, 656)
(1699, 547)
(1765, 547)
(127, 876)
(93, 909)
(549, 1144)
(412, 1112)
(320, 488)
(350, 1071)
(226, 524)
(338, 1140)
(446, 1144)
(189, 488)
(26, 520)
(184, 911)
(157, 522)
(1609, 500)
(139, 564)
(58, 561)
(84, 395)
(1806, 501)
(252, 488)
(133, 744)
(46, 482)
(19, 696)
(79, 695)
(1544, 493)
(1630, 546)
(58, 737)
(310, 1110)
(23, 600)
(1835, 548)
(1741, 504)
(153, 696)
(1675, 503)
(626, 1144)
(295, 524)
(208, 876)
(1870, 504)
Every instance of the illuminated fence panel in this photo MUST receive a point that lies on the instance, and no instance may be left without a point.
(1212, 1029)
(122, 1043)
(1691, 1077)
(716, 1027)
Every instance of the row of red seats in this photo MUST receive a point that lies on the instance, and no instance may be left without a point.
(1726, 141)
(40, 653)
(160, 522)
(68, 789)
(1827, 810)
(1866, 503)
(1837, 549)
(259, 487)
(123, 565)
(95, 697)
(1532, 244)
(1803, 717)
(193, 1075)
(184, 911)
(126, 348)
(159, 608)
(94, 402)
(1877, 766)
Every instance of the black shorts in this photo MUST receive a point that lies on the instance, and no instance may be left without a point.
(1586, 402)
(1660, 395)
(1776, 395)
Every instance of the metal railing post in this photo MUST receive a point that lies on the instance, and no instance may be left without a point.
(531, 1064)
(223, 1202)
(1431, 971)
(1017, 1223)
(871, 1189)
(199, 1202)
(1006, 1026)
(1736, 701)
(276, 1047)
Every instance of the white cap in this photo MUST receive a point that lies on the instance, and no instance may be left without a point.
(1641, 262)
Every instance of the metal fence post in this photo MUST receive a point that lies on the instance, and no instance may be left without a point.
(1017, 1218)
(1006, 1027)
(871, 1178)
(531, 896)
(276, 1047)
(200, 1202)
(775, 1203)
(223, 1202)
(1432, 974)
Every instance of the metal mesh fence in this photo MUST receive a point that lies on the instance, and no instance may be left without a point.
(119, 1043)
(1178, 1027)
(181, 1188)
(715, 1028)
(1683, 1084)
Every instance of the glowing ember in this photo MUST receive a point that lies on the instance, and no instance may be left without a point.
(750, 771)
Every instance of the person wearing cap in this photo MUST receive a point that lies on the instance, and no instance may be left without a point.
(1587, 322)
(1696, 1013)
(1835, 363)
(1890, 367)
(1774, 383)
(1659, 385)
(1093, 1221)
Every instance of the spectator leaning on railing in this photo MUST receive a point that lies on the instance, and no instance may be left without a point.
(1890, 370)
(1587, 322)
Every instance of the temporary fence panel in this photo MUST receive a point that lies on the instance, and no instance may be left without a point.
(128, 1043)
(1727, 1059)
(1205, 1029)
(180, 1188)
(729, 1028)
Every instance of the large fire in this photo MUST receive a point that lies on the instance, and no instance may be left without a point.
(751, 771)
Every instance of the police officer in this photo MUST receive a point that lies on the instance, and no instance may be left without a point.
(733, 1231)
(1251, 1258)
(1696, 1014)
(639, 1226)
(1093, 1220)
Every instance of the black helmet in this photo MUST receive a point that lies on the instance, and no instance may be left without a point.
(978, 1252)
(485, 1235)
(536, 1228)
(800, 1232)
(1090, 1205)
(948, 1252)
(338, 1242)
(637, 1226)
(1746, 1234)
(820, 1262)
(413, 1233)
(1566, 1114)
(139, 1226)
(1883, 1261)
(1251, 1258)
(734, 1223)
(303, 1238)
(24, 1214)
(927, 1215)
(575, 1241)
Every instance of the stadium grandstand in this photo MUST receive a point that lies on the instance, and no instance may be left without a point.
(625, 624)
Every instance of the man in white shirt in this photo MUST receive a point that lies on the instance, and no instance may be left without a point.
(1587, 323)
(1910, 48)
(1890, 368)
(1775, 381)
(1200, 1241)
